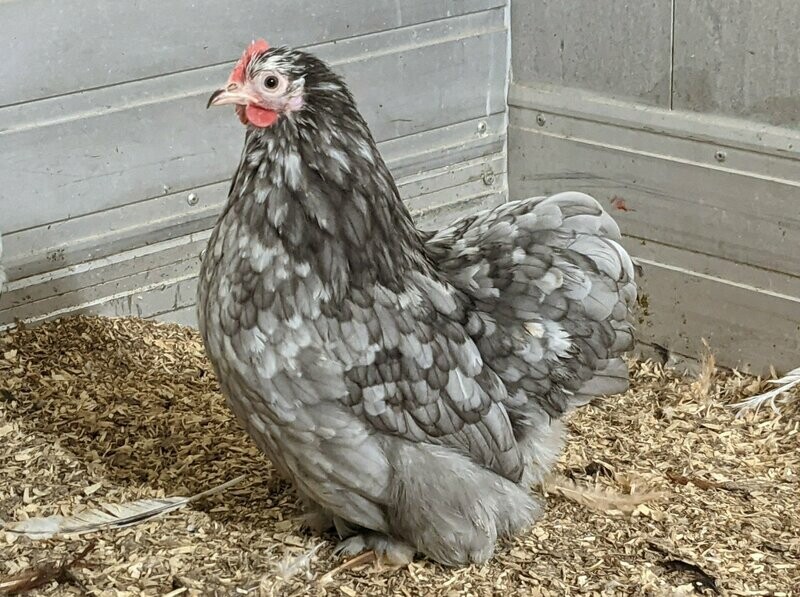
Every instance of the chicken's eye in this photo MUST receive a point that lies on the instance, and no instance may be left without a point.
(271, 82)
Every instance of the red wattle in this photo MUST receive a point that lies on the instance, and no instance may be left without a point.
(260, 117)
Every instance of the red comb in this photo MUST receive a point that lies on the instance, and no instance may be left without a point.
(237, 76)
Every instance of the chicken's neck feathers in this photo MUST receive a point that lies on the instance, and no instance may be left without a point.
(327, 196)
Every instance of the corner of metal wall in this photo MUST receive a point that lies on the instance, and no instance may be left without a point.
(507, 20)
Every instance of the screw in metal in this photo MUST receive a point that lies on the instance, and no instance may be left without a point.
(192, 199)
(720, 156)
(541, 120)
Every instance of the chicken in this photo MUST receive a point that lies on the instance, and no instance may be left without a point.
(411, 385)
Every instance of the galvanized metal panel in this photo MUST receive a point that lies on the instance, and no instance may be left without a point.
(185, 316)
(677, 192)
(702, 208)
(617, 47)
(105, 276)
(62, 48)
(136, 284)
(746, 327)
(150, 301)
(759, 280)
(157, 133)
(765, 142)
(739, 58)
(719, 233)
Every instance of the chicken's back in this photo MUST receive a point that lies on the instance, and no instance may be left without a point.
(551, 293)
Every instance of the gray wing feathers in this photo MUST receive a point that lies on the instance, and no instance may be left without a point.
(554, 289)
(424, 379)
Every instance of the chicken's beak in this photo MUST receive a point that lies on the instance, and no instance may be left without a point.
(232, 94)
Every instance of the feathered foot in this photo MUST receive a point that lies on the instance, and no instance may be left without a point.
(387, 550)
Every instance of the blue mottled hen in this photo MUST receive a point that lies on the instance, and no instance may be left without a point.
(409, 384)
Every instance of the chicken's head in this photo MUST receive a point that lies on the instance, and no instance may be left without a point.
(262, 86)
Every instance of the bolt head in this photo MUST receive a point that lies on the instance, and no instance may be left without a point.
(541, 120)
(720, 156)
(488, 179)
(192, 199)
(482, 127)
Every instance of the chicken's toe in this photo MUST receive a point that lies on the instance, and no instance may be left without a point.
(390, 551)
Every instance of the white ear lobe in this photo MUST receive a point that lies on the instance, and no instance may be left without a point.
(297, 85)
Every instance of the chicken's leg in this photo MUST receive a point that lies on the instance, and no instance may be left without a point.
(386, 549)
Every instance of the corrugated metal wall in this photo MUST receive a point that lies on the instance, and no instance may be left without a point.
(686, 114)
(112, 171)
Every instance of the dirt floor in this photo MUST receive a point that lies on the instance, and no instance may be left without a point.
(660, 492)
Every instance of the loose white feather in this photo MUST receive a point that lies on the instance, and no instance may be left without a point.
(785, 383)
(108, 515)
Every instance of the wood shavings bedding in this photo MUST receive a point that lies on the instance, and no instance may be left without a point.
(96, 410)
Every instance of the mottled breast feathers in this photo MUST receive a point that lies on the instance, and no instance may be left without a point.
(413, 371)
